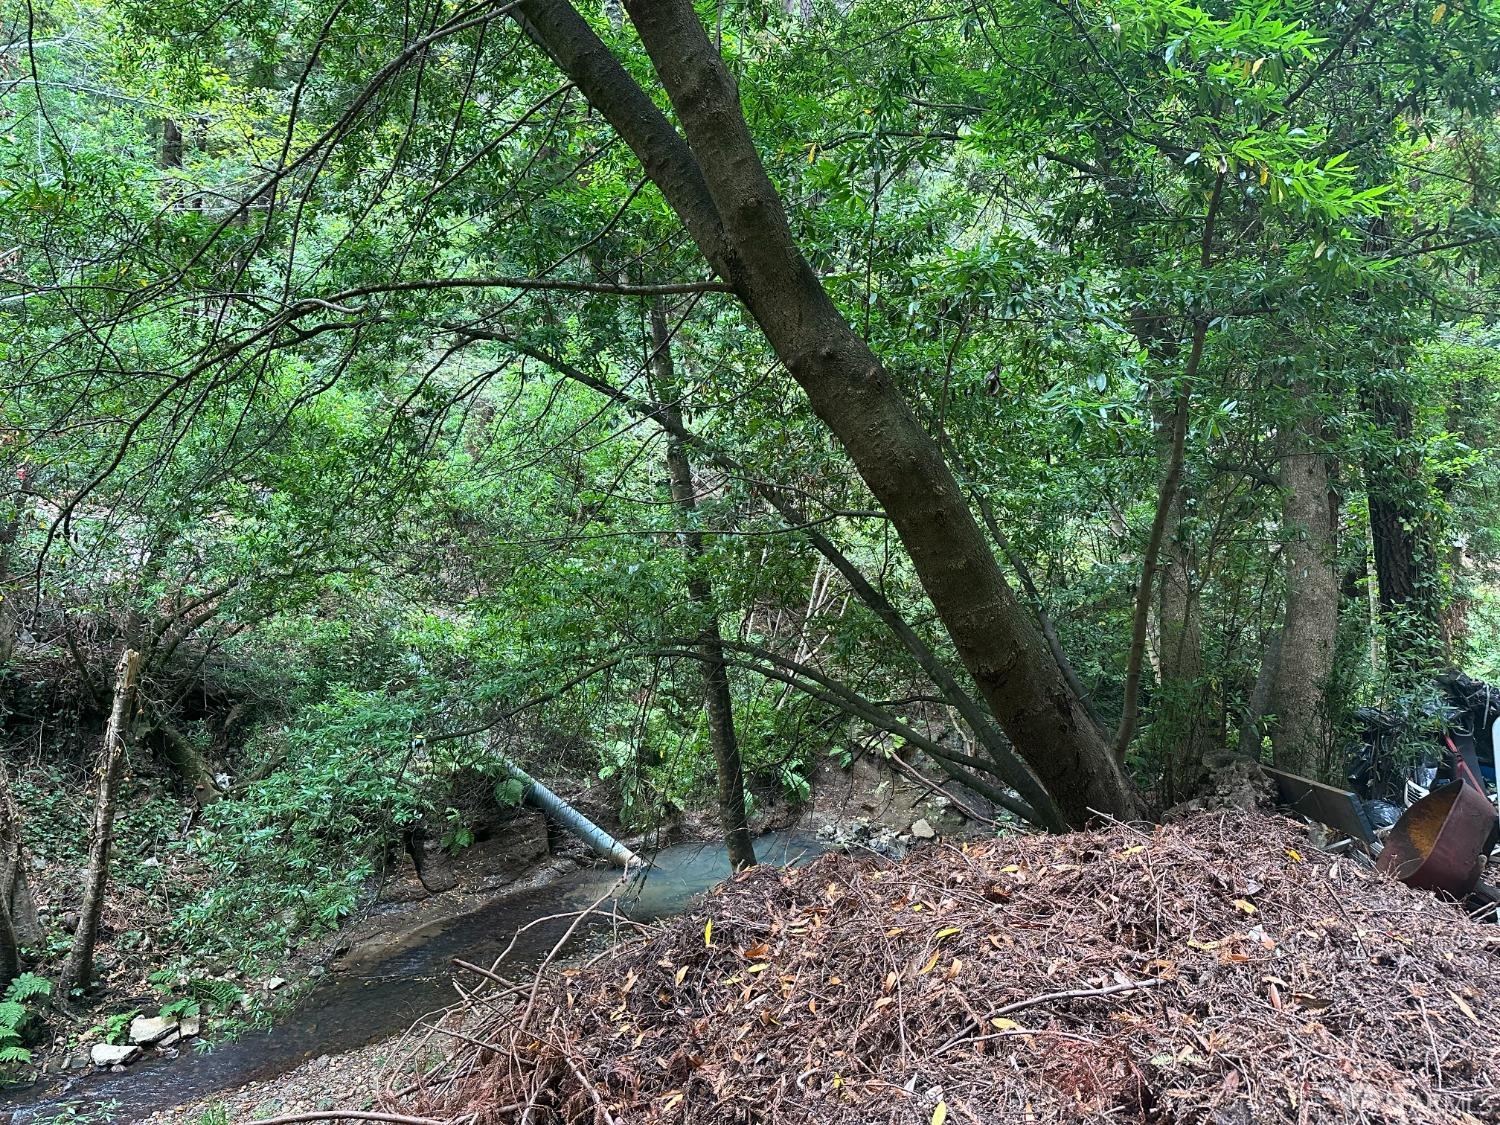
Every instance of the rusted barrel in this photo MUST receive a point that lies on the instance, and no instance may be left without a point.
(1439, 841)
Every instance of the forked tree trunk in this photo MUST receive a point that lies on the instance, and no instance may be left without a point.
(717, 186)
(78, 973)
(1303, 729)
(718, 703)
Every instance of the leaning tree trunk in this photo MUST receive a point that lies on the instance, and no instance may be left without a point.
(718, 703)
(1303, 730)
(78, 973)
(717, 186)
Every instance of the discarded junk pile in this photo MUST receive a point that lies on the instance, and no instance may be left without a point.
(1433, 821)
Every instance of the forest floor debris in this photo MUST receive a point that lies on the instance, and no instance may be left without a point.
(1213, 970)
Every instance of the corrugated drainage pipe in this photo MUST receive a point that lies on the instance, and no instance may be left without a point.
(565, 815)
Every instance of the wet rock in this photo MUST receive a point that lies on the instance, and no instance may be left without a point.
(860, 835)
(146, 1030)
(107, 1055)
(434, 864)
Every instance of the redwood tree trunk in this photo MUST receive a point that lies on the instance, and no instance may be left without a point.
(717, 186)
(718, 703)
(78, 973)
(1300, 739)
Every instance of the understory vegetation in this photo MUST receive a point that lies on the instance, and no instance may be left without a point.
(678, 400)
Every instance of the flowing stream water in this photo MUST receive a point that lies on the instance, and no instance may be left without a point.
(385, 997)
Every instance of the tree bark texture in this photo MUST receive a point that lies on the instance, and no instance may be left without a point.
(1301, 737)
(716, 184)
(1182, 727)
(718, 702)
(78, 973)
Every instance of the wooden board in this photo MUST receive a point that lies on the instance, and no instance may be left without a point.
(1339, 809)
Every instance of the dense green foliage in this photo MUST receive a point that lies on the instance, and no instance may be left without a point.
(331, 386)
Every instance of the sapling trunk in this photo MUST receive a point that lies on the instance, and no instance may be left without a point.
(78, 973)
(718, 702)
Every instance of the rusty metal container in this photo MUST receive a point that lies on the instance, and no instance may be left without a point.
(1438, 844)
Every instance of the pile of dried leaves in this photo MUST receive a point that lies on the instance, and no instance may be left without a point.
(1215, 970)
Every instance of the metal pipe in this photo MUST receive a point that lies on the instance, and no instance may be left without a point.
(565, 815)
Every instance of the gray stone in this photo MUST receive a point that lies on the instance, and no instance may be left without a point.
(146, 1030)
(923, 831)
(106, 1055)
(191, 1028)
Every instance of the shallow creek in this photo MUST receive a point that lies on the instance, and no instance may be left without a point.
(384, 997)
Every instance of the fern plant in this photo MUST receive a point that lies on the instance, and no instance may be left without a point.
(16, 1011)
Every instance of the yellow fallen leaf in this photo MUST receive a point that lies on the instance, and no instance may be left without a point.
(940, 1114)
(927, 968)
(999, 1023)
(758, 968)
(1463, 1006)
(1294, 855)
(947, 932)
(708, 933)
(1243, 906)
(1136, 850)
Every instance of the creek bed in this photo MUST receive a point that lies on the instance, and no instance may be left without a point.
(384, 997)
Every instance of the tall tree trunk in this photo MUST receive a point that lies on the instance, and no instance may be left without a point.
(12, 872)
(1182, 724)
(78, 973)
(1260, 697)
(15, 889)
(717, 186)
(1300, 740)
(1406, 572)
(718, 703)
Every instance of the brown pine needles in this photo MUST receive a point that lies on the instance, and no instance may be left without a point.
(1217, 970)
